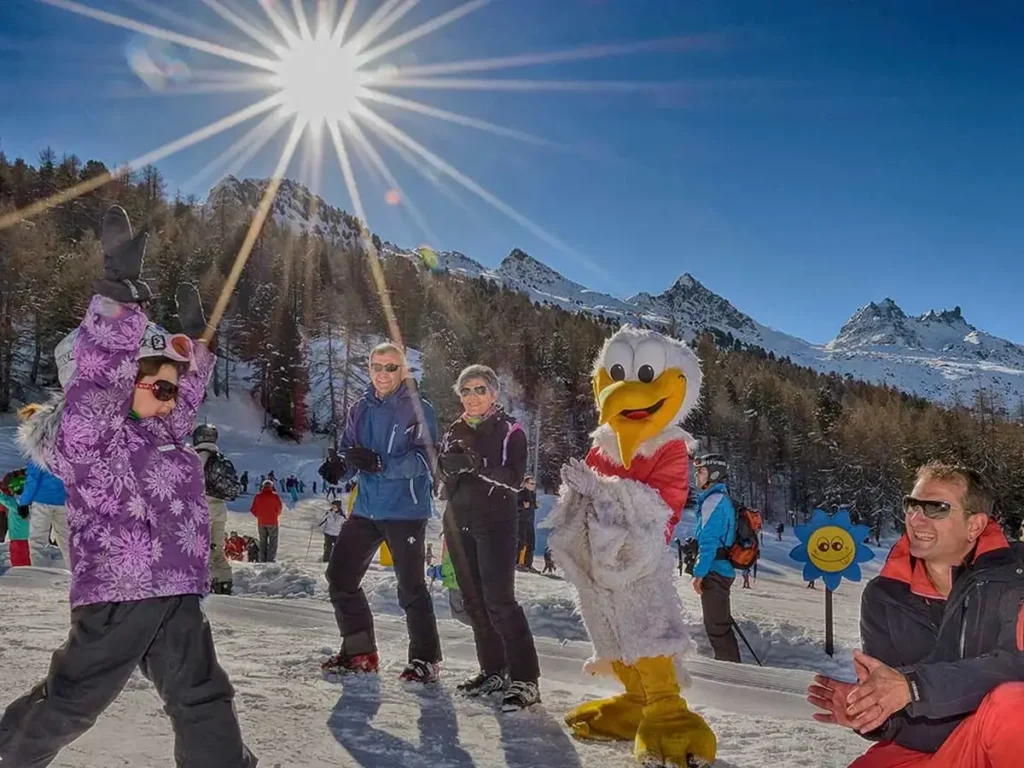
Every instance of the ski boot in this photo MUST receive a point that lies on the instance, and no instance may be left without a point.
(614, 718)
(417, 671)
(343, 664)
(221, 587)
(669, 733)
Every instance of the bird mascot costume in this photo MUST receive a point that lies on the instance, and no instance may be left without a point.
(611, 528)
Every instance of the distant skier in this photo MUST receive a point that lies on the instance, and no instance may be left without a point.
(221, 485)
(245, 481)
(314, 487)
(549, 561)
(11, 486)
(266, 508)
(332, 470)
(291, 485)
(780, 528)
(331, 524)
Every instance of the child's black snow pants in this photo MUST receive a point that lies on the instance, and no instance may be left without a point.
(169, 640)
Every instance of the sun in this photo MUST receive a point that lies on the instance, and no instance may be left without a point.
(318, 80)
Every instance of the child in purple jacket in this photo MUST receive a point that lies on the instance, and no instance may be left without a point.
(138, 528)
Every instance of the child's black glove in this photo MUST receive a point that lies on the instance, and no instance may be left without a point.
(122, 260)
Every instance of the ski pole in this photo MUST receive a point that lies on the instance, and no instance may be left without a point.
(309, 544)
(746, 642)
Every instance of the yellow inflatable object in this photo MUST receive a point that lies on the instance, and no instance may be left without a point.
(669, 733)
(385, 555)
(615, 718)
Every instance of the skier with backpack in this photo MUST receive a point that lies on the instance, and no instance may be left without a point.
(221, 485)
(714, 571)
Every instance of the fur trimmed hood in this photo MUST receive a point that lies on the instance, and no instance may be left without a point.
(37, 436)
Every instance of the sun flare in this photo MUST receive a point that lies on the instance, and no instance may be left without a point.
(319, 80)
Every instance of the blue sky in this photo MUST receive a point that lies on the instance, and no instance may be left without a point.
(810, 156)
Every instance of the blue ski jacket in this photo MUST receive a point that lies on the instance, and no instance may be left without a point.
(403, 490)
(716, 528)
(41, 487)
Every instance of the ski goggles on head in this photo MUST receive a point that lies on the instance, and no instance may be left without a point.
(162, 390)
(156, 342)
(479, 389)
(933, 510)
(381, 367)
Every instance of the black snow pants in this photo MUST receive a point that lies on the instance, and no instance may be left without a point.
(169, 640)
(484, 556)
(353, 551)
(715, 603)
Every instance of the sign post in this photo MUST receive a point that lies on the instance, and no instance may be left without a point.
(831, 549)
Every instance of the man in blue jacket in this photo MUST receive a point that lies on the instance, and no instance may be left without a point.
(386, 442)
(713, 574)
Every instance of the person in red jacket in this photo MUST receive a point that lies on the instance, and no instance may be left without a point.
(266, 507)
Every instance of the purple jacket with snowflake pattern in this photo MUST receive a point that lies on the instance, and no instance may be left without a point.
(138, 523)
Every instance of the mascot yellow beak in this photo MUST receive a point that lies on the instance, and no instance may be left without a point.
(636, 410)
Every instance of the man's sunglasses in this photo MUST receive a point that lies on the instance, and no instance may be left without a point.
(381, 367)
(164, 391)
(933, 510)
(478, 390)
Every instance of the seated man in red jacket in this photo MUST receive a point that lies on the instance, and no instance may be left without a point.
(941, 676)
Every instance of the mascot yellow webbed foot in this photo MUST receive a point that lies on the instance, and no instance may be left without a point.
(615, 718)
(669, 733)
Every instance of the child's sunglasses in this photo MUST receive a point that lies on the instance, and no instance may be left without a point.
(164, 391)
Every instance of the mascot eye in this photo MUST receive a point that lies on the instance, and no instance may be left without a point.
(823, 546)
(649, 360)
(837, 545)
(618, 360)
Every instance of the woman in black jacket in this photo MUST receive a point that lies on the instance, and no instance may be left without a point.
(482, 462)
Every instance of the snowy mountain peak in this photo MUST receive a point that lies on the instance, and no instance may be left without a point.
(876, 325)
(295, 207)
(519, 265)
(689, 305)
(947, 316)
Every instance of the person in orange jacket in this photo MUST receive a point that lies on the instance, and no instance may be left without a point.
(266, 507)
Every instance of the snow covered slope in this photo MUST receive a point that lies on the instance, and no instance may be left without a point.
(938, 355)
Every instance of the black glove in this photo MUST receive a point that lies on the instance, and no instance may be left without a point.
(459, 463)
(122, 260)
(363, 459)
(190, 310)
(23, 511)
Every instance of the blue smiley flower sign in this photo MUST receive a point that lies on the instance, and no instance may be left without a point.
(831, 548)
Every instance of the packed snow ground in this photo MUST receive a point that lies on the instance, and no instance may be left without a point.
(272, 634)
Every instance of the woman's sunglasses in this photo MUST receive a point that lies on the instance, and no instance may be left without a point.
(933, 510)
(467, 391)
(164, 391)
(380, 367)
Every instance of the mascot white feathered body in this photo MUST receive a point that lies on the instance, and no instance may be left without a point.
(611, 528)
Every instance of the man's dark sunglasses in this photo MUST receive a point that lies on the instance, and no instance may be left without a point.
(933, 510)
(477, 390)
(390, 367)
(164, 391)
